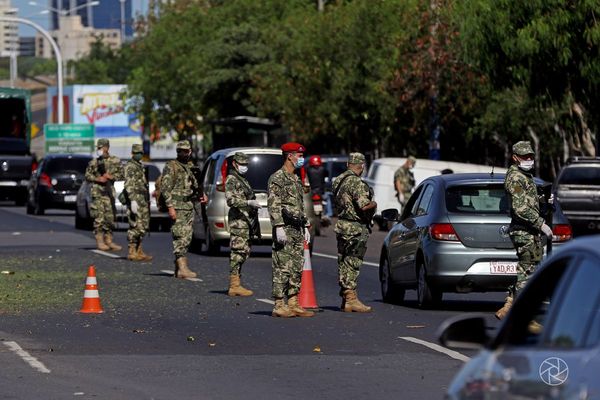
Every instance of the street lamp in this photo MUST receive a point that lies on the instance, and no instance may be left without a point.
(63, 12)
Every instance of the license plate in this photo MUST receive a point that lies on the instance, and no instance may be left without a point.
(71, 198)
(263, 212)
(503, 267)
(318, 208)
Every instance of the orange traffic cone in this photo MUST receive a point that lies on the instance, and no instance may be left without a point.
(307, 297)
(91, 298)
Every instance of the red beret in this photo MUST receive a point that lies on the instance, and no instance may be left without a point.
(293, 147)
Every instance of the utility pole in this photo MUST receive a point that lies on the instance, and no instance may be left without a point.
(122, 21)
(321, 5)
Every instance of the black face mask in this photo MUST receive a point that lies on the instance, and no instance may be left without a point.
(183, 157)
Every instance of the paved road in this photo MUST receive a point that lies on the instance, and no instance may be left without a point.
(162, 338)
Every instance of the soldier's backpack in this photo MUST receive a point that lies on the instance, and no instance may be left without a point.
(161, 203)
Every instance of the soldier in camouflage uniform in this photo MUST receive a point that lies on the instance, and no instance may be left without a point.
(180, 190)
(138, 208)
(242, 209)
(526, 224)
(355, 208)
(404, 180)
(102, 172)
(290, 231)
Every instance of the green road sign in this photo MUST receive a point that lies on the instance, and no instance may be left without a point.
(69, 138)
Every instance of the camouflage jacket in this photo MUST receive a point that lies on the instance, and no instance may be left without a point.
(178, 185)
(237, 192)
(406, 178)
(351, 194)
(136, 183)
(113, 166)
(285, 192)
(524, 200)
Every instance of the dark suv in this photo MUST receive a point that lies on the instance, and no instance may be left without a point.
(577, 189)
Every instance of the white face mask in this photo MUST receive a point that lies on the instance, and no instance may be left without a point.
(242, 169)
(100, 152)
(526, 165)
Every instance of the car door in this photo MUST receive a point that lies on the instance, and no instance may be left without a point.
(208, 186)
(553, 363)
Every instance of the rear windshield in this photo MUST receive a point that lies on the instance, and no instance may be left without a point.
(13, 146)
(75, 165)
(337, 168)
(580, 176)
(479, 199)
(260, 168)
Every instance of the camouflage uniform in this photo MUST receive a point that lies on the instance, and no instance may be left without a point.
(286, 192)
(526, 222)
(179, 186)
(407, 180)
(352, 231)
(102, 208)
(136, 187)
(237, 192)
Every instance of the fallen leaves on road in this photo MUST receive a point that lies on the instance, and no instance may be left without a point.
(191, 338)
(415, 326)
(8, 272)
(139, 331)
(211, 344)
(317, 349)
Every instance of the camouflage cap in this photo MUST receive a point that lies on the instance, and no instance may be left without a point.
(412, 159)
(137, 148)
(522, 148)
(102, 143)
(356, 158)
(183, 145)
(241, 158)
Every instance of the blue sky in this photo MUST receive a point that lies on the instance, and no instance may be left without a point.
(32, 13)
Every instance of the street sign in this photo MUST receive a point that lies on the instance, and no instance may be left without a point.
(69, 138)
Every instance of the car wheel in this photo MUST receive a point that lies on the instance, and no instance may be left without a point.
(21, 200)
(210, 246)
(427, 295)
(390, 292)
(82, 222)
(38, 208)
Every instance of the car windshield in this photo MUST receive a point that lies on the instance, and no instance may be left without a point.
(580, 176)
(480, 199)
(337, 168)
(260, 168)
(67, 165)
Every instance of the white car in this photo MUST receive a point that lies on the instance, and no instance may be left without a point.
(83, 219)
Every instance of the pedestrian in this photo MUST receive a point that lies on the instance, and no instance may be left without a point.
(526, 225)
(181, 192)
(355, 208)
(137, 197)
(242, 216)
(102, 172)
(404, 180)
(290, 232)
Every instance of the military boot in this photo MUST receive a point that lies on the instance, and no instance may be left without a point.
(141, 255)
(282, 310)
(100, 242)
(181, 269)
(351, 303)
(236, 288)
(132, 254)
(501, 313)
(295, 308)
(109, 242)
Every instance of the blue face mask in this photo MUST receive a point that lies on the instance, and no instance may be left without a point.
(299, 162)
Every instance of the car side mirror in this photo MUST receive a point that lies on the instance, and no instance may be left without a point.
(464, 332)
(391, 214)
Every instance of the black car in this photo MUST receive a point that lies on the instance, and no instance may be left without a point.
(548, 346)
(55, 182)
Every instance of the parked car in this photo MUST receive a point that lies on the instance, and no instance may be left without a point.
(55, 182)
(211, 226)
(83, 219)
(381, 177)
(453, 237)
(577, 189)
(560, 359)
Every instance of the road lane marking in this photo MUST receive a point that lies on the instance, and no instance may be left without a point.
(28, 358)
(266, 301)
(335, 258)
(168, 271)
(105, 253)
(450, 353)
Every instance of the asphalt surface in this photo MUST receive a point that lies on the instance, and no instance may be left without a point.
(164, 338)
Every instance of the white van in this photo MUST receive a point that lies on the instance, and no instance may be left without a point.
(381, 176)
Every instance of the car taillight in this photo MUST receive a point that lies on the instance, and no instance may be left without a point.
(45, 180)
(221, 181)
(316, 197)
(562, 233)
(443, 232)
(34, 166)
(219, 225)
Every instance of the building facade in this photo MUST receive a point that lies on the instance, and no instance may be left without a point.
(109, 14)
(9, 33)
